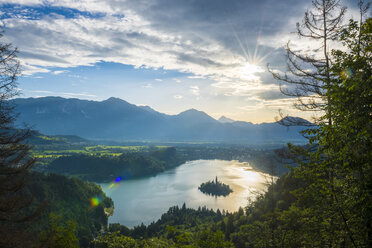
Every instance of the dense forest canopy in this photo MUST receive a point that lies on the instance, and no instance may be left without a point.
(106, 168)
(74, 207)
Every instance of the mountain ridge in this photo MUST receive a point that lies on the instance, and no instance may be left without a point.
(117, 119)
(224, 119)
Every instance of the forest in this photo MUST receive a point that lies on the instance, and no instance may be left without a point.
(322, 199)
(63, 212)
(106, 168)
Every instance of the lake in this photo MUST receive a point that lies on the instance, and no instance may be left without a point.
(144, 200)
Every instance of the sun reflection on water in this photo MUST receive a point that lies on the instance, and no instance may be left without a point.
(146, 199)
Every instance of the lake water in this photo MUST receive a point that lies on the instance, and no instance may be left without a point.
(146, 199)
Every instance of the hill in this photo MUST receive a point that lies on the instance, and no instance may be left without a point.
(68, 200)
(37, 138)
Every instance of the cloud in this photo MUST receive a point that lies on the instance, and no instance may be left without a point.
(256, 104)
(242, 88)
(283, 103)
(211, 39)
(28, 70)
(271, 94)
(159, 80)
(83, 94)
(177, 97)
(158, 33)
(42, 91)
(64, 94)
(147, 86)
(194, 89)
(59, 72)
(196, 77)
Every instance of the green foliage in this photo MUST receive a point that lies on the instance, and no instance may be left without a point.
(337, 200)
(348, 143)
(106, 168)
(59, 234)
(15, 161)
(117, 240)
(208, 239)
(67, 145)
(158, 243)
(179, 227)
(69, 198)
(114, 240)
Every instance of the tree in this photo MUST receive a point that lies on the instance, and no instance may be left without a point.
(308, 77)
(114, 240)
(336, 164)
(229, 226)
(60, 234)
(209, 239)
(350, 138)
(14, 160)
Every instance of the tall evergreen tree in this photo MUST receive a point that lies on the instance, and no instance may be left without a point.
(14, 159)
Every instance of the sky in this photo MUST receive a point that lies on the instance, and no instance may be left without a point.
(171, 55)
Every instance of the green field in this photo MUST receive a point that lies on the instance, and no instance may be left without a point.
(97, 150)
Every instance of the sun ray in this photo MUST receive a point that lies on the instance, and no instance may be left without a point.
(241, 45)
(253, 59)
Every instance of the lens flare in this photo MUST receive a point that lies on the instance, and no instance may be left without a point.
(347, 73)
(95, 201)
(112, 185)
(118, 179)
(115, 183)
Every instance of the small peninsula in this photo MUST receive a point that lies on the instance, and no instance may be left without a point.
(215, 188)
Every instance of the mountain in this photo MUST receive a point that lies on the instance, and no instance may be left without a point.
(116, 119)
(224, 119)
(193, 116)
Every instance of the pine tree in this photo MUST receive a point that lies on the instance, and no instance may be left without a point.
(229, 226)
(14, 160)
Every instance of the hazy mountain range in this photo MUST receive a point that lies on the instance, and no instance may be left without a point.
(116, 119)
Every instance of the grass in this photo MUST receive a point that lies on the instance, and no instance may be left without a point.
(98, 150)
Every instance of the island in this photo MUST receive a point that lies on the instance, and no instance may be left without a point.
(215, 188)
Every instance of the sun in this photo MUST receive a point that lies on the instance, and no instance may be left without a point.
(251, 68)
(248, 71)
(252, 60)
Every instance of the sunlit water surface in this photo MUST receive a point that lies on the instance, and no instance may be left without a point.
(144, 200)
